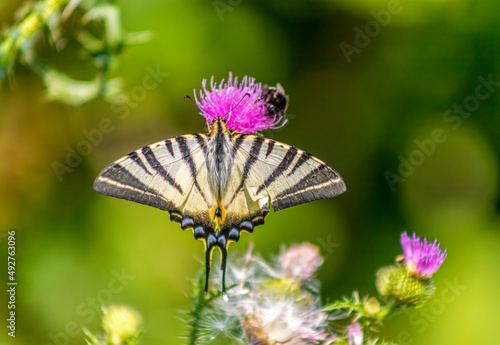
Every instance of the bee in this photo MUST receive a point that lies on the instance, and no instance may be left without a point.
(275, 100)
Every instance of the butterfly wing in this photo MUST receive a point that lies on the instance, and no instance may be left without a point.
(162, 175)
(170, 175)
(283, 174)
(266, 171)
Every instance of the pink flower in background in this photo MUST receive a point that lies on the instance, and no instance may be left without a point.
(301, 261)
(354, 334)
(421, 258)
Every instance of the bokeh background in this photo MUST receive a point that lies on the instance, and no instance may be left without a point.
(366, 96)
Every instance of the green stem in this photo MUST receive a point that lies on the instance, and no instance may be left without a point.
(199, 304)
(387, 310)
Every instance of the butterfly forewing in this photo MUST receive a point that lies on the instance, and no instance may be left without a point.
(158, 175)
(286, 175)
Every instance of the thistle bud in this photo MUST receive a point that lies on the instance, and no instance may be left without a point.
(371, 306)
(394, 282)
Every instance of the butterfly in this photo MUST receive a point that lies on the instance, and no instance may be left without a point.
(220, 183)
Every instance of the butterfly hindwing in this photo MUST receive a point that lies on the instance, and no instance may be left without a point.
(243, 211)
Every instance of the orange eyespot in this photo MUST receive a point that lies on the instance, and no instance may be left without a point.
(218, 214)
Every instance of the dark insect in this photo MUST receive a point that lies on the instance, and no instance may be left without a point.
(275, 100)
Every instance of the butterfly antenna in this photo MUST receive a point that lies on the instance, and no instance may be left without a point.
(237, 104)
(188, 97)
(198, 105)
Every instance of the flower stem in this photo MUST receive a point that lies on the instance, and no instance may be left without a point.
(201, 302)
(197, 310)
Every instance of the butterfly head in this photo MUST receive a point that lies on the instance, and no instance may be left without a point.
(219, 125)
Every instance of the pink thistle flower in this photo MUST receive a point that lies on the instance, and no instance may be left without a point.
(354, 334)
(242, 105)
(421, 258)
(301, 261)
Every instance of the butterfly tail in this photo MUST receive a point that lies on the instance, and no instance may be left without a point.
(208, 260)
(223, 267)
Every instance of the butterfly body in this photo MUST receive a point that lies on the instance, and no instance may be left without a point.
(219, 169)
(219, 183)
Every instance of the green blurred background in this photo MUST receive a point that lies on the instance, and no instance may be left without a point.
(363, 112)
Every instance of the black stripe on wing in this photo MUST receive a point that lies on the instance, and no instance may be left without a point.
(135, 157)
(254, 153)
(186, 154)
(304, 157)
(156, 165)
(118, 182)
(322, 182)
(168, 145)
(188, 159)
(270, 147)
(237, 139)
(201, 140)
(278, 171)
